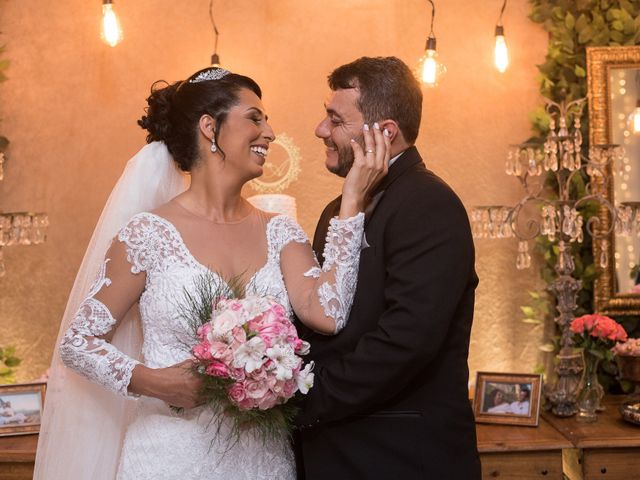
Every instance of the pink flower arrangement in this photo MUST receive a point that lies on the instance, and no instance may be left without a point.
(597, 334)
(250, 350)
(630, 348)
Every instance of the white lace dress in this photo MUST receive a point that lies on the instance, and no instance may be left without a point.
(162, 444)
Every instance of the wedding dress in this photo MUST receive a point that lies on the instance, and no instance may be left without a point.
(160, 443)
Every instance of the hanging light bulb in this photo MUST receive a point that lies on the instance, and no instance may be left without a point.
(501, 54)
(111, 32)
(430, 70)
(215, 58)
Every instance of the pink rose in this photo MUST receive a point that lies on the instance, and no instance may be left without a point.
(237, 393)
(621, 334)
(203, 331)
(289, 388)
(247, 404)
(238, 374)
(202, 351)
(259, 374)
(256, 389)
(590, 321)
(217, 369)
(267, 401)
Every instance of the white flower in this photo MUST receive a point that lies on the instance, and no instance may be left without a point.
(222, 325)
(284, 360)
(305, 348)
(250, 355)
(304, 379)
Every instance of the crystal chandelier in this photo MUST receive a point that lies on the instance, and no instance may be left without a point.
(555, 211)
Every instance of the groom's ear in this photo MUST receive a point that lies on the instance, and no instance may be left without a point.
(390, 126)
(207, 126)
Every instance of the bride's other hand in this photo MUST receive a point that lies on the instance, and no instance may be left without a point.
(369, 167)
(178, 385)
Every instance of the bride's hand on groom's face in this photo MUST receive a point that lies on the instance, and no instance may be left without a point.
(370, 165)
(178, 385)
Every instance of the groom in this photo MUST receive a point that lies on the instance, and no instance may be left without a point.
(390, 398)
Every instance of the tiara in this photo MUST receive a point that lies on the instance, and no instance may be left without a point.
(210, 74)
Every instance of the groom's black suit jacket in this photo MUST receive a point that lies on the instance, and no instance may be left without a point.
(390, 398)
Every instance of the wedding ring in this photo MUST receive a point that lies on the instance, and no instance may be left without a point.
(370, 151)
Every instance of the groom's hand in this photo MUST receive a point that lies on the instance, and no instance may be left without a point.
(369, 167)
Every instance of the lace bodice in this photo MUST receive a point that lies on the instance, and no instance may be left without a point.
(154, 246)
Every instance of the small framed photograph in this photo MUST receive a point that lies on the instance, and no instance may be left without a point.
(507, 398)
(21, 408)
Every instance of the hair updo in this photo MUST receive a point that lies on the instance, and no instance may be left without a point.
(174, 111)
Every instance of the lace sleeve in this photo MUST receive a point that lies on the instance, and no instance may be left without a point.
(326, 292)
(85, 347)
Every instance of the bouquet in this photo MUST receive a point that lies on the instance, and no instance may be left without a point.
(630, 348)
(249, 355)
(597, 334)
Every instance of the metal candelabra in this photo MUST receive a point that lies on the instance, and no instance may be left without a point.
(557, 215)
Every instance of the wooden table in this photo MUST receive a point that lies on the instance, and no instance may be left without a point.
(17, 456)
(522, 453)
(609, 447)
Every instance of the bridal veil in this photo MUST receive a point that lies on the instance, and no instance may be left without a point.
(83, 424)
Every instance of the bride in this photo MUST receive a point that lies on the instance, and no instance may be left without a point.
(213, 126)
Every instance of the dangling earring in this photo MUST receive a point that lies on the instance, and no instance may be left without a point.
(214, 147)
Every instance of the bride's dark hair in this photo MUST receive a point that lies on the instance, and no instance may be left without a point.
(174, 111)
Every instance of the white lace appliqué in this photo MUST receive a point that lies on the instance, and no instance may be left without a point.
(342, 256)
(92, 357)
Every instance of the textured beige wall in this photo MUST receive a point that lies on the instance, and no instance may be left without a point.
(71, 105)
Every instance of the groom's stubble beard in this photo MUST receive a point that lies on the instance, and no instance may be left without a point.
(345, 157)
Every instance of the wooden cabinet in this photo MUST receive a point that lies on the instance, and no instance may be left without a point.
(522, 453)
(609, 447)
(17, 456)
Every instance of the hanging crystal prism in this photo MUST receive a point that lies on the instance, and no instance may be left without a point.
(524, 258)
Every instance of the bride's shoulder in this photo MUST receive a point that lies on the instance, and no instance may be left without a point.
(143, 226)
(282, 229)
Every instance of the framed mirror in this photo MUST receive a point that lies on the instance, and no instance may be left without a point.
(613, 79)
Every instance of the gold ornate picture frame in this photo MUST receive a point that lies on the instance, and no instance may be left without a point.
(600, 62)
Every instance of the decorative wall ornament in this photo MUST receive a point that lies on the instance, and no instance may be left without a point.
(278, 175)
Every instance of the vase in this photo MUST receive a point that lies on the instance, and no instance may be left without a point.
(591, 392)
